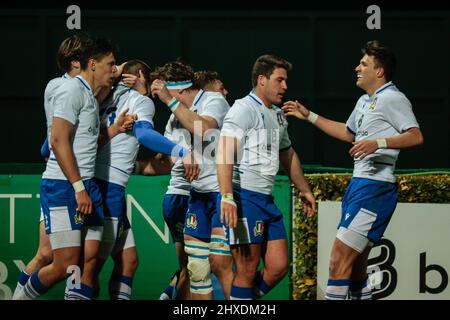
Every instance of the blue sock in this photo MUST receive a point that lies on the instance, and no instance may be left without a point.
(239, 293)
(23, 278)
(120, 287)
(260, 288)
(168, 291)
(33, 287)
(84, 293)
(360, 290)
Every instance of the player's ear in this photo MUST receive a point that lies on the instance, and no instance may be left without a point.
(380, 72)
(75, 64)
(91, 64)
(261, 80)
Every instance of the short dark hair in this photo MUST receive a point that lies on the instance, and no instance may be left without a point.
(383, 57)
(69, 50)
(205, 77)
(266, 64)
(133, 67)
(175, 71)
(97, 49)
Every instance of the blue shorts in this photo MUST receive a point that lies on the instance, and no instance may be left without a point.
(114, 204)
(202, 215)
(175, 207)
(59, 206)
(368, 206)
(259, 219)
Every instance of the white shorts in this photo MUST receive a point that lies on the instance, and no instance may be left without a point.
(352, 239)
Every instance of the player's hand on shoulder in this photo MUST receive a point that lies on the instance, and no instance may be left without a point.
(296, 109)
(125, 122)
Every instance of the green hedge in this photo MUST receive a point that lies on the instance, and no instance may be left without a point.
(419, 188)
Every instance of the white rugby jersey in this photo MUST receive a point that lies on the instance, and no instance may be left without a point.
(261, 133)
(115, 160)
(49, 95)
(75, 102)
(214, 105)
(385, 114)
(178, 134)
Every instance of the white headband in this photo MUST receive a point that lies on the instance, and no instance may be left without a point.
(178, 85)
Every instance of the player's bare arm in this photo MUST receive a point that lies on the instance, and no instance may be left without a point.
(335, 129)
(292, 166)
(61, 136)
(225, 158)
(410, 138)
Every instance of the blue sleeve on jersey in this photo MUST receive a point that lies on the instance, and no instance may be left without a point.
(153, 140)
(45, 150)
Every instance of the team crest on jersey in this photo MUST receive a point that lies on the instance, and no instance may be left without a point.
(78, 218)
(192, 221)
(373, 105)
(258, 230)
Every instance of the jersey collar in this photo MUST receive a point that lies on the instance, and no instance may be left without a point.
(384, 87)
(198, 97)
(255, 98)
(84, 82)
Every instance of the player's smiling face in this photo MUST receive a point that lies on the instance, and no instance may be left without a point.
(104, 70)
(275, 87)
(366, 72)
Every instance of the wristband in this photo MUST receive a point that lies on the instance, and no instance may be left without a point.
(228, 198)
(173, 104)
(78, 186)
(382, 143)
(312, 117)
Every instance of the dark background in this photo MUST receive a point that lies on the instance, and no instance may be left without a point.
(323, 45)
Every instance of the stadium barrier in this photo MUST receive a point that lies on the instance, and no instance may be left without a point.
(19, 216)
(412, 260)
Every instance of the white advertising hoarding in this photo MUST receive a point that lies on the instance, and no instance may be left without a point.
(411, 262)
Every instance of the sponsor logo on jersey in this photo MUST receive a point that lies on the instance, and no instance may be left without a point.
(258, 230)
(347, 215)
(360, 120)
(192, 221)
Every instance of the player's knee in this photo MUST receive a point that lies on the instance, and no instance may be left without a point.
(220, 255)
(220, 265)
(131, 263)
(44, 256)
(198, 266)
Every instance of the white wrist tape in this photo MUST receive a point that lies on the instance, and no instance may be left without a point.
(382, 144)
(228, 198)
(78, 186)
(312, 117)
